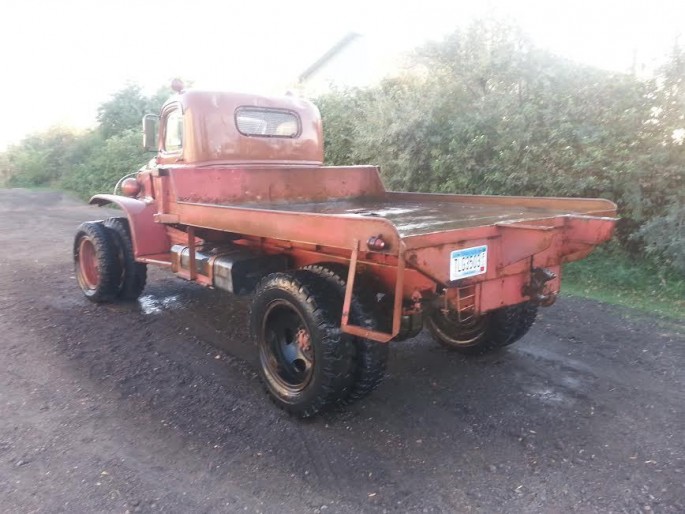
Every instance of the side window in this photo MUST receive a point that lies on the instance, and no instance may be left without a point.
(173, 132)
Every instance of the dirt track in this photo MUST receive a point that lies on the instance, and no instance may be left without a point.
(156, 406)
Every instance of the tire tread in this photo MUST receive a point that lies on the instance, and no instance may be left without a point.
(134, 274)
(335, 351)
(108, 263)
(370, 357)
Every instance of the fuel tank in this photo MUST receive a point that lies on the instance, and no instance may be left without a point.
(230, 268)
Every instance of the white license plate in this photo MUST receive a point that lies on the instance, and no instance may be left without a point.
(468, 262)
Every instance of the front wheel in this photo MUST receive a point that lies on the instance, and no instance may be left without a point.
(482, 334)
(96, 262)
(134, 274)
(305, 362)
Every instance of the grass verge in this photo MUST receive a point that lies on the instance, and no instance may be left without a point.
(611, 276)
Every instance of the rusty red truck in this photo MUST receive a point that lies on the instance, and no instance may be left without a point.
(237, 198)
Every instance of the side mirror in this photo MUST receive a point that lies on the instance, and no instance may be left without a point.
(150, 128)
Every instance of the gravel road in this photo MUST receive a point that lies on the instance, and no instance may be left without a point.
(156, 406)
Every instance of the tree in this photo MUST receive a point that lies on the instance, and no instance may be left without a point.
(126, 108)
(84, 161)
(486, 112)
(663, 181)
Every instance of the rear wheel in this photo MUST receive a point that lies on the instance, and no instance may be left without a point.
(96, 262)
(133, 274)
(304, 360)
(370, 357)
(482, 334)
(527, 313)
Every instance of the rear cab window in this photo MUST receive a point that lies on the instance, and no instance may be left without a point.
(265, 122)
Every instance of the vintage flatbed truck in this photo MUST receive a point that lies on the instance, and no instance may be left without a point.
(237, 198)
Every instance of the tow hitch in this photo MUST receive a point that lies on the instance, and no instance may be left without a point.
(536, 287)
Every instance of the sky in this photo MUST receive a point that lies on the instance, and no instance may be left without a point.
(61, 59)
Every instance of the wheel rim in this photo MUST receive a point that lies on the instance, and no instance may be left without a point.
(286, 353)
(455, 332)
(89, 272)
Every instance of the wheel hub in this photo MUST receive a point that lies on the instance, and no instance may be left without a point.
(88, 264)
(290, 357)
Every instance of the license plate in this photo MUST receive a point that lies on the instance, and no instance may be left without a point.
(468, 262)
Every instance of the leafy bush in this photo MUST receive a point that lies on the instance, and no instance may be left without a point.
(41, 159)
(664, 237)
(115, 157)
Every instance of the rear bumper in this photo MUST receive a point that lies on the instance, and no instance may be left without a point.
(481, 297)
(514, 250)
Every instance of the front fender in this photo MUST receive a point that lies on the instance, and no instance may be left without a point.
(148, 237)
